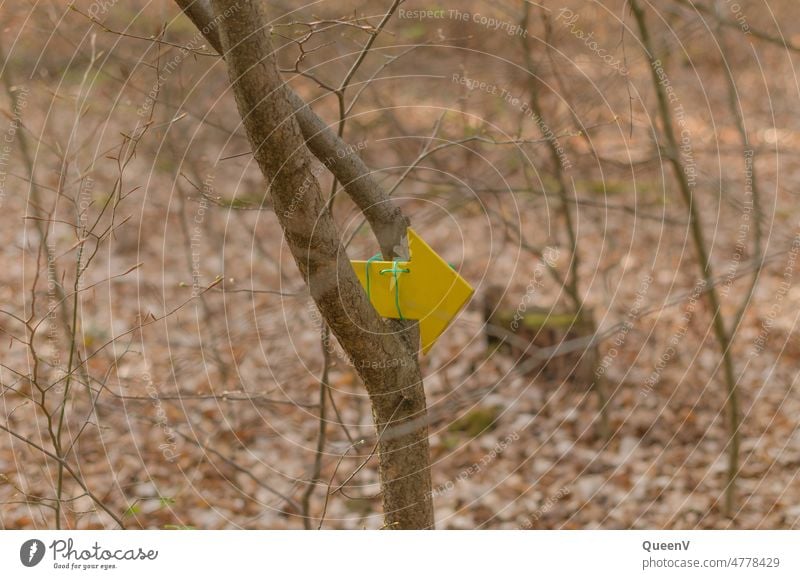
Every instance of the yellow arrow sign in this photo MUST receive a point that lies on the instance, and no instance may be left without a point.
(424, 288)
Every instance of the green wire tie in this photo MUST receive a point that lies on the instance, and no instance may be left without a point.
(394, 270)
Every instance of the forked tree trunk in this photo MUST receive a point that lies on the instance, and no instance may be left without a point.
(385, 360)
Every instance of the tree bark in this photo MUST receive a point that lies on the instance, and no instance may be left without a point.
(386, 361)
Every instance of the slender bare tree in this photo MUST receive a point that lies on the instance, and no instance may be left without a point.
(284, 132)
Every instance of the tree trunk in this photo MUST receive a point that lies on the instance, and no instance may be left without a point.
(384, 359)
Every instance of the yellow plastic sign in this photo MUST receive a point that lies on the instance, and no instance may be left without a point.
(424, 288)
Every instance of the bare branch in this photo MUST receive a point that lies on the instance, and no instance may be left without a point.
(385, 218)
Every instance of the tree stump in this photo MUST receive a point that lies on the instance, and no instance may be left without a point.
(524, 330)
